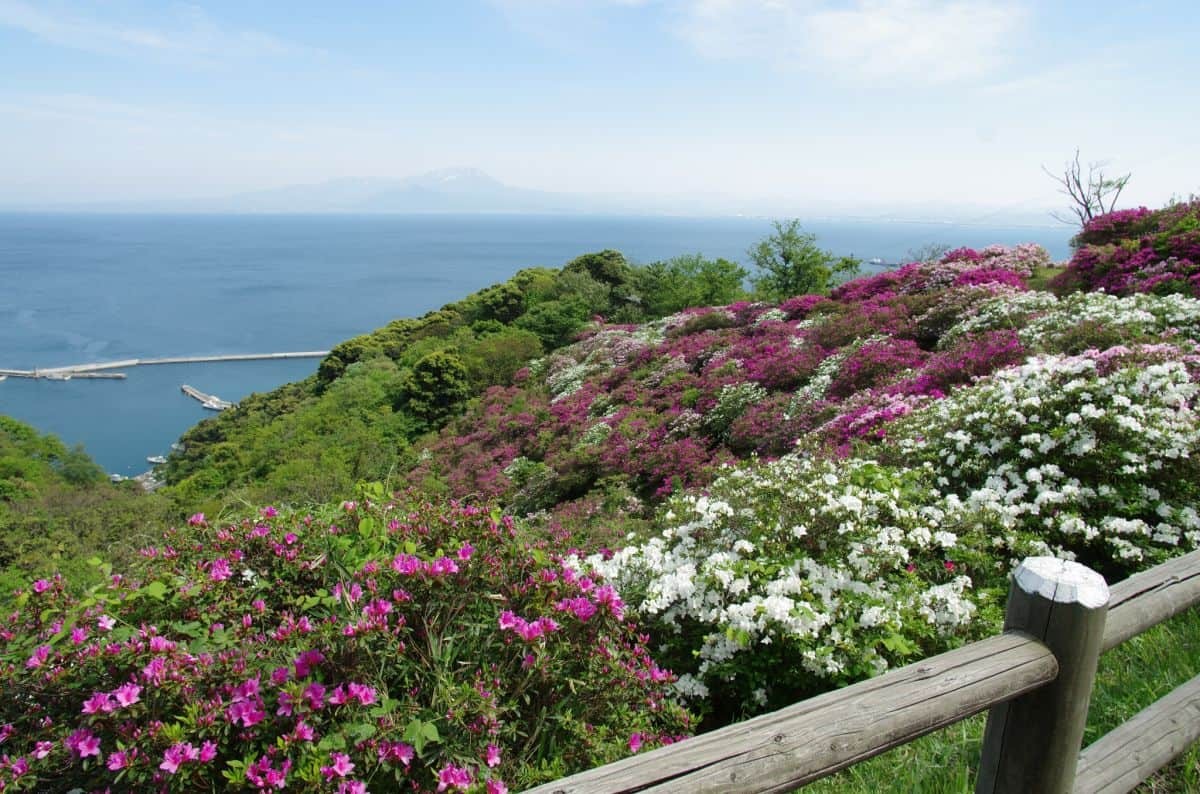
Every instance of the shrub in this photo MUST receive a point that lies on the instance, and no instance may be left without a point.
(402, 645)
(792, 577)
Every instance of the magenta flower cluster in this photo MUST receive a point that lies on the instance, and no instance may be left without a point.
(1139, 250)
(318, 664)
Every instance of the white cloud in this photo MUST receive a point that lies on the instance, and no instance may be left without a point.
(189, 35)
(929, 40)
(939, 40)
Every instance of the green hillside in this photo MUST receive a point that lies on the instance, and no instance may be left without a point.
(590, 511)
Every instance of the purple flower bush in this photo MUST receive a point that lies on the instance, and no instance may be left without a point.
(1131, 251)
(660, 408)
(390, 645)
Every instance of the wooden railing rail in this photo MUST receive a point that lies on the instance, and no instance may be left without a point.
(1056, 627)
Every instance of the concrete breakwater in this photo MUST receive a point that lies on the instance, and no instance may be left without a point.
(101, 369)
(210, 401)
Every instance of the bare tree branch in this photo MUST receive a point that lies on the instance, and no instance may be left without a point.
(1094, 196)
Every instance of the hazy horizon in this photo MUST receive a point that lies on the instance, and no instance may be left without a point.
(728, 105)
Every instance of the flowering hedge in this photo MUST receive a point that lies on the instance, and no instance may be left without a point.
(392, 645)
(1139, 250)
(789, 577)
(660, 407)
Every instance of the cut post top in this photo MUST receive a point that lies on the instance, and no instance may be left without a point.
(1062, 581)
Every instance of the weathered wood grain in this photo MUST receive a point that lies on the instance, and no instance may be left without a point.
(1031, 744)
(1123, 758)
(1146, 599)
(814, 738)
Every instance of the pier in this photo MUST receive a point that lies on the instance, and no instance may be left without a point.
(101, 369)
(210, 401)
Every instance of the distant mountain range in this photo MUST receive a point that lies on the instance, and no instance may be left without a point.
(471, 191)
(451, 190)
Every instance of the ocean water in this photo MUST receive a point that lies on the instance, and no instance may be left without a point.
(86, 288)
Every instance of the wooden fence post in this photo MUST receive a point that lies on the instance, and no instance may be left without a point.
(1032, 743)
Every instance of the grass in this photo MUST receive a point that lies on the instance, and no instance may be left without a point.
(1042, 276)
(1130, 677)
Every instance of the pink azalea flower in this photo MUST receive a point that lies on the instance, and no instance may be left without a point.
(161, 644)
(442, 566)
(496, 787)
(42, 749)
(396, 752)
(41, 586)
(286, 703)
(78, 636)
(406, 564)
(83, 743)
(306, 661)
(39, 657)
(268, 512)
(493, 755)
(99, 703)
(220, 570)
(364, 694)
(465, 551)
(314, 693)
(117, 760)
(176, 755)
(208, 751)
(508, 620)
(197, 520)
(105, 623)
(127, 694)
(340, 767)
(455, 777)
(352, 787)
(635, 742)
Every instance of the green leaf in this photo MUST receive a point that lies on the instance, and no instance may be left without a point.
(361, 731)
(156, 589)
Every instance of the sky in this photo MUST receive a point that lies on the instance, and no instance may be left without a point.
(807, 103)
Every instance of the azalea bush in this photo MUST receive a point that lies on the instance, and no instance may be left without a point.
(1097, 455)
(382, 644)
(661, 406)
(791, 577)
(1139, 250)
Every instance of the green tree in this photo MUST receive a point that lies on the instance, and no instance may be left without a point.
(790, 263)
(437, 386)
(607, 266)
(690, 280)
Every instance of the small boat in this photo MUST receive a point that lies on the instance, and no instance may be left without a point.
(157, 460)
(116, 478)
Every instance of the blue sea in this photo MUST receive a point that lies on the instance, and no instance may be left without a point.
(87, 288)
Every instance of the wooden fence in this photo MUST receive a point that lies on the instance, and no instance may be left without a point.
(1036, 678)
